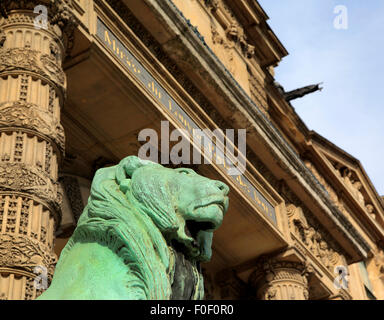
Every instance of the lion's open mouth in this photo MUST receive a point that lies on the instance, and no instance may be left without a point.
(193, 227)
(190, 246)
(194, 241)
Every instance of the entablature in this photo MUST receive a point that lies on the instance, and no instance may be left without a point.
(183, 54)
(237, 108)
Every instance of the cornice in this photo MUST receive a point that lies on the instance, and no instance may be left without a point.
(190, 40)
(239, 96)
(254, 20)
(325, 143)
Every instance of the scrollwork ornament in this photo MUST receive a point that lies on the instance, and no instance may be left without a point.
(30, 116)
(17, 251)
(25, 59)
(23, 178)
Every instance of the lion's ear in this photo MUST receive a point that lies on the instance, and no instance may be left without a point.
(126, 167)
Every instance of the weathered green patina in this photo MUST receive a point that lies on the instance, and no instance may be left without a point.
(142, 235)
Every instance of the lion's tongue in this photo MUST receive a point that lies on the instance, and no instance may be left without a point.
(204, 239)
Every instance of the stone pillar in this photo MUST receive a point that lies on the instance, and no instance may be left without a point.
(280, 280)
(32, 92)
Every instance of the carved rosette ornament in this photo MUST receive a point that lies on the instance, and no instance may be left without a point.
(280, 280)
(32, 92)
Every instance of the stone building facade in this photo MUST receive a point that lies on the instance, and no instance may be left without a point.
(76, 91)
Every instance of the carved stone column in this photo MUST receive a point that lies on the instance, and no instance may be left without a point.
(280, 280)
(32, 92)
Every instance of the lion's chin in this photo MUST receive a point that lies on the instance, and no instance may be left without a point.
(194, 239)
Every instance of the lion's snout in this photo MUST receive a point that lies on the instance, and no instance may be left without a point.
(222, 187)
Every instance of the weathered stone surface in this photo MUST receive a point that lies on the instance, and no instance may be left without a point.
(32, 93)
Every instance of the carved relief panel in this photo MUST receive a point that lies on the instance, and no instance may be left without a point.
(313, 238)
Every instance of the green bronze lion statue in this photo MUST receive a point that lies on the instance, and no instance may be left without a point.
(142, 235)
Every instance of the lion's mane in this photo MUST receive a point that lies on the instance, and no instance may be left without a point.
(114, 217)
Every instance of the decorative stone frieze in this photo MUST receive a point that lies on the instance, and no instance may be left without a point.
(31, 180)
(313, 239)
(306, 229)
(354, 186)
(31, 61)
(235, 35)
(30, 116)
(26, 253)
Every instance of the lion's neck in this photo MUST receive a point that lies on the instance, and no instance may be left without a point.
(91, 271)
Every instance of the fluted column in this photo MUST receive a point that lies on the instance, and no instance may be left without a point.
(32, 92)
(280, 280)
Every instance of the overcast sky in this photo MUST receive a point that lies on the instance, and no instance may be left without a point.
(349, 111)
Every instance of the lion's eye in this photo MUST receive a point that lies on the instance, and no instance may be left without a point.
(184, 171)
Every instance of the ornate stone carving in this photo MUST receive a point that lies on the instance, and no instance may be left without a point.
(17, 18)
(280, 280)
(31, 116)
(31, 129)
(24, 59)
(60, 12)
(235, 33)
(227, 58)
(23, 178)
(351, 181)
(61, 21)
(312, 238)
(55, 52)
(217, 38)
(371, 210)
(17, 251)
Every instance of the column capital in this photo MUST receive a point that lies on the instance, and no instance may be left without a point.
(276, 279)
(60, 13)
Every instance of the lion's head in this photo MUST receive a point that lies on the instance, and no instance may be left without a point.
(185, 206)
(153, 217)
